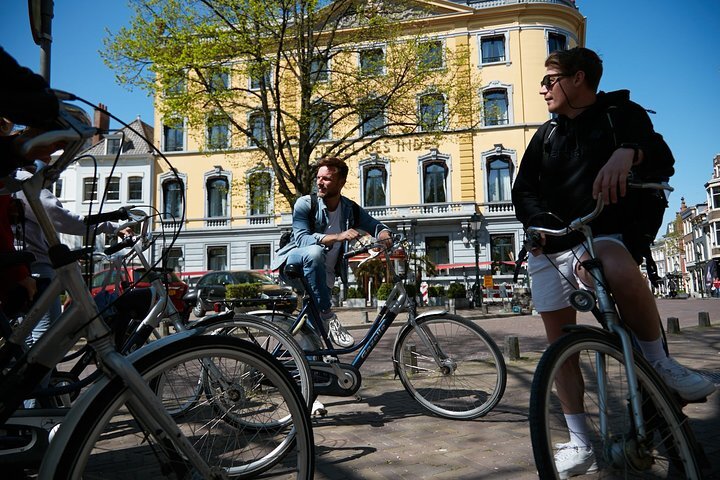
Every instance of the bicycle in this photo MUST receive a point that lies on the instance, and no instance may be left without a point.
(637, 426)
(248, 381)
(449, 365)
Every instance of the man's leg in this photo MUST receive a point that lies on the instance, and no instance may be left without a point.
(312, 258)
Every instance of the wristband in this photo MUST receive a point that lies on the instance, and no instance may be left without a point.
(636, 149)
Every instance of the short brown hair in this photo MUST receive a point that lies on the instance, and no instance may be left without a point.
(333, 162)
(569, 62)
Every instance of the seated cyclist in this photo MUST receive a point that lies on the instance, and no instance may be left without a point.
(318, 243)
(563, 171)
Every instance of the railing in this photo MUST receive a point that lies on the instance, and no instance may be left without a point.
(501, 3)
(498, 208)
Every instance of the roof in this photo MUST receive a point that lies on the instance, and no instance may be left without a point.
(133, 143)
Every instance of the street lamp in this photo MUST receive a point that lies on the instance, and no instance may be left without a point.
(475, 224)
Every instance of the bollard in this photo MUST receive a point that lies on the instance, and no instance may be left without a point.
(673, 325)
(703, 319)
(512, 347)
(365, 316)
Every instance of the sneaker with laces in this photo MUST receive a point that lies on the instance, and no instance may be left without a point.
(691, 386)
(572, 460)
(338, 334)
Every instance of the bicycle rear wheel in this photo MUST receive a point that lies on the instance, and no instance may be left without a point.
(471, 376)
(667, 450)
(106, 441)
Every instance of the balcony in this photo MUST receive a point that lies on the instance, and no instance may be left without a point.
(498, 209)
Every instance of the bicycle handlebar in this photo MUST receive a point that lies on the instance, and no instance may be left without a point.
(397, 239)
(582, 221)
(126, 242)
(122, 213)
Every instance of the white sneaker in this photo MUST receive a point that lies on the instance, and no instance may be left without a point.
(571, 460)
(691, 386)
(338, 334)
(318, 409)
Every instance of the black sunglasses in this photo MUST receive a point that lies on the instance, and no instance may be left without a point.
(548, 81)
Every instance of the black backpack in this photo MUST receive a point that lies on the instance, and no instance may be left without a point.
(285, 237)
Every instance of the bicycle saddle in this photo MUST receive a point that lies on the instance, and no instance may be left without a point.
(293, 270)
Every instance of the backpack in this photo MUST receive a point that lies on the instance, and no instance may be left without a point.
(639, 231)
(285, 237)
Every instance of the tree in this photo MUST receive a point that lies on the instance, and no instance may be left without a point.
(324, 78)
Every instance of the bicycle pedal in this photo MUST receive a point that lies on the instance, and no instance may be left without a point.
(330, 359)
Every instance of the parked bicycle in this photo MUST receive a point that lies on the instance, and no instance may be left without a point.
(448, 364)
(638, 429)
(120, 423)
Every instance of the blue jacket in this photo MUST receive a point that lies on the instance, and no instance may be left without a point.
(304, 236)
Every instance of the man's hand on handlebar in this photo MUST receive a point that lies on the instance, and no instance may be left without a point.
(611, 180)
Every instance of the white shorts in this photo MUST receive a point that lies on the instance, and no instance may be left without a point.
(553, 276)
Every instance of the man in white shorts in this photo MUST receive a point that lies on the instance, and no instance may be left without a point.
(570, 161)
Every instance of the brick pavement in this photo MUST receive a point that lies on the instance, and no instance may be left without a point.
(383, 434)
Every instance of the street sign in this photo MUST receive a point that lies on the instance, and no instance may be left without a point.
(488, 281)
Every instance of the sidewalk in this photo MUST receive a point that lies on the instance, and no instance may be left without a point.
(383, 434)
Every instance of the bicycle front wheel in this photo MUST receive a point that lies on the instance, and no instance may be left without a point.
(109, 442)
(452, 367)
(594, 360)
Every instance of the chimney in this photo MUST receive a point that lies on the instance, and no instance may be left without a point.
(101, 121)
(683, 206)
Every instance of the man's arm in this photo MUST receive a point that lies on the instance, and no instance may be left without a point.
(526, 188)
(303, 230)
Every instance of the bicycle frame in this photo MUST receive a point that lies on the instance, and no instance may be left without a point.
(605, 311)
(81, 318)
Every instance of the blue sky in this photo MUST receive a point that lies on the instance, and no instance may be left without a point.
(667, 53)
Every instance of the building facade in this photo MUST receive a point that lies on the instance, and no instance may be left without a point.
(426, 185)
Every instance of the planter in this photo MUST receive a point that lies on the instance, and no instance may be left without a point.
(462, 302)
(436, 301)
(354, 302)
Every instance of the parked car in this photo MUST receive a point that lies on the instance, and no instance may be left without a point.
(210, 289)
(106, 280)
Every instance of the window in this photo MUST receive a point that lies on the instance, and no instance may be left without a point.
(217, 258)
(434, 177)
(502, 249)
(320, 121)
(493, 48)
(173, 135)
(218, 132)
(58, 191)
(135, 188)
(218, 80)
(495, 107)
(259, 257)
(112, 189)
(319, 71)
(112, 145)
(217, 195)
(256, 125)
(257, 74)
(172, 257)
(437, 249)
(432, 112)
(175, 84)
(556, 41)
(259, 185)
(89, 189)
(374, 191)
(372, 117)
(499, 178)
(431, 55)
(372, 61)
(173, 193)
(715, 197)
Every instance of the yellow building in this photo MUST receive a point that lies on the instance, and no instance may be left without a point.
(427, 184)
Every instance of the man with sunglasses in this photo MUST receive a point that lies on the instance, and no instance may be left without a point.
(587, 151)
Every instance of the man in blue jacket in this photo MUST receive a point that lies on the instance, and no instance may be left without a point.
(318, 243)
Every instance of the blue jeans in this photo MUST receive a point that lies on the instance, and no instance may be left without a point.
(46, 272)
(312, 259)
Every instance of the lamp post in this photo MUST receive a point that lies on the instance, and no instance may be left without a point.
(475, 224)
(701, 276)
